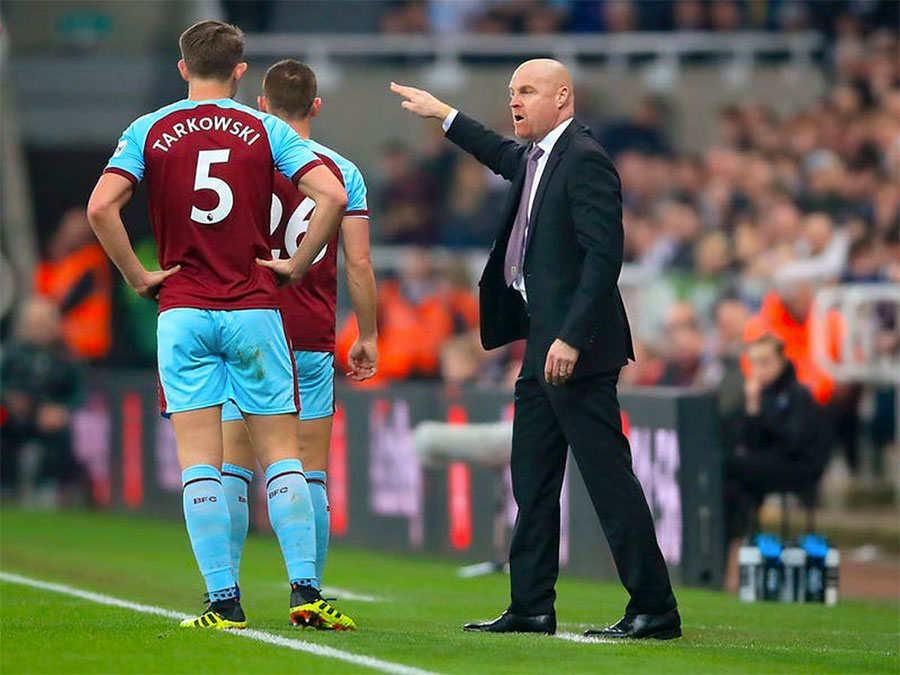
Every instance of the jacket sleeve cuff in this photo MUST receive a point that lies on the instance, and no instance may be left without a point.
(575, 338)
(448, 120)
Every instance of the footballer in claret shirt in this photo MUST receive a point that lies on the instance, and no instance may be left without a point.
(309, 308)
(209, 165)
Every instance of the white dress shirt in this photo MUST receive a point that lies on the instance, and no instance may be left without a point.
(546, 144)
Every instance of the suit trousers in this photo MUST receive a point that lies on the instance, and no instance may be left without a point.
(582, 414)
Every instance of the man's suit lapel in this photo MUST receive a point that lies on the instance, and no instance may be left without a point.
(552, 162)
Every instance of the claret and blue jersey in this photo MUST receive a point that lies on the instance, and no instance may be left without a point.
(209, 167)
(309, 307)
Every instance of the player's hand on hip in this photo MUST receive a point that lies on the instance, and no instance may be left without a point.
(560, 364)
(363, 360)
(285, 271)
(420, 102)
(149, 285)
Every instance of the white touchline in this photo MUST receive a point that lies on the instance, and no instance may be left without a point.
(575, 637)
(344, 594)
(258, 635)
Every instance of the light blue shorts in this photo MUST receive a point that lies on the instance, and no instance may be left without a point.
(207, 357)
(315, 382)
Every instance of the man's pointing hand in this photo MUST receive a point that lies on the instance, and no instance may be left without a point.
(420, 102)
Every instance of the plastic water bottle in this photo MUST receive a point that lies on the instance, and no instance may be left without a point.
(794, 561)
(773, 569)
(750, 561)
(832, 563)
(816, 549)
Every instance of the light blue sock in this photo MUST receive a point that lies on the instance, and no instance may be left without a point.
(208, 526)
(236, 483)
(291, 515)
(318, 490)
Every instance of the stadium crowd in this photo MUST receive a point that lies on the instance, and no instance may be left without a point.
(535, 17)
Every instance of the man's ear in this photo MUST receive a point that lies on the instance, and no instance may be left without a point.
(562, 96)
(315, 107)
(182, 69)
(262, 104)
(239, 70)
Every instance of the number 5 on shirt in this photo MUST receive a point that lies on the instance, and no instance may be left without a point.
(203, 181)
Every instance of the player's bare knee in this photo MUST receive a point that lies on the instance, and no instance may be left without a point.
(273, 437)
(315, 439)
(238, 449)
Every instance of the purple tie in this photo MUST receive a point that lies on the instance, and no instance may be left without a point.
(515, 249)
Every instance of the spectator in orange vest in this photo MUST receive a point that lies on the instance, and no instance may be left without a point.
(451, 310)
(417, 314)
(398, 334)
(77, 279)
(786, 314)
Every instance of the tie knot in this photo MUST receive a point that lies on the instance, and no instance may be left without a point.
(536, 153)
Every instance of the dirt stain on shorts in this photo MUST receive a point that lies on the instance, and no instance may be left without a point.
(251, 361)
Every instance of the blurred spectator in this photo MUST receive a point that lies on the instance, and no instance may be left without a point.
(724, 373)
(619, 16)
(450, 310)
(780, 445)
(77, 279)
(643, 131)
(646, 369)
(406, 199)
(452, 17)
(684, 348)
(680, 224)
(41, 386)
(405, 16)
(725, 15)
(417, 314)
(472, 201)
(785, 313)
(688, 15)
(520, 16)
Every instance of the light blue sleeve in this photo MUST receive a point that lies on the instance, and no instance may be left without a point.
(129, 153)
(356, 193)
(290, 153)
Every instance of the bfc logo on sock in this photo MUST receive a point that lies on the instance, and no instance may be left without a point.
(242, 499)
(277, 491)
(201, 500)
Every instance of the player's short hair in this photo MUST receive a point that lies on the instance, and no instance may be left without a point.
(768, 339)
(290, 89)
(211, 49)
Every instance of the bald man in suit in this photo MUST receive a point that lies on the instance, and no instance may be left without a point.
(552, 278)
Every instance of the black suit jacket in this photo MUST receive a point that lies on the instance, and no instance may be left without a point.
(573, 255)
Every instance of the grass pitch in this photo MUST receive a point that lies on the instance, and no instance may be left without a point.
(414, 621)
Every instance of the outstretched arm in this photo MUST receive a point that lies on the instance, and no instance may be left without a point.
(111, 193)
(501, 155)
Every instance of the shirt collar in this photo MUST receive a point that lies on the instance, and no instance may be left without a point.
(547, 142)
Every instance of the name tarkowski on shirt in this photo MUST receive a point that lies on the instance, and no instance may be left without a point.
(207, 123)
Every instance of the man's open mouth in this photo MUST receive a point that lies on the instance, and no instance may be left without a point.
(518, 118)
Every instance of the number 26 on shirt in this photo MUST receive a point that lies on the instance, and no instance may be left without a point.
(297, 224)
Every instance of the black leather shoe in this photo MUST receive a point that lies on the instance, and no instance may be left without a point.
(515, 623)
(664, 626)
